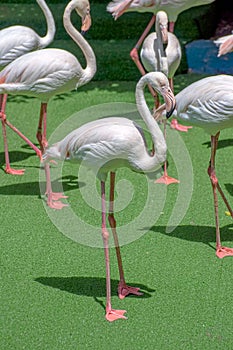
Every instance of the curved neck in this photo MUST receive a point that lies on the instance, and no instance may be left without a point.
(160, 52)
(89, 55)
(51, 29)
(156, 134)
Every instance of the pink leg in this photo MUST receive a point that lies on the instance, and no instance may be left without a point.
(135, 57)
(5, 122)
(165, 179)
(8, 168)
(171, 27)
(52, 197)
(111, 314)
(42, 127)
(221, 251)
(123, 289)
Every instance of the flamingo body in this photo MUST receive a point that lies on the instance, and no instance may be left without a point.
(207, 103)
(41, 74)
(172, 58)
(112, 142)
(172, 7)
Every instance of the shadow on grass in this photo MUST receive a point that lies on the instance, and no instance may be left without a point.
(17, 156)
(194, 233)
(89, 286)
(33, 188)
(221, 143)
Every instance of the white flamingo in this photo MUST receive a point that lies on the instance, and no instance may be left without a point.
(48, 72)
(110, 143)
(16, 41)
(155, 57)
(225, 44)
(208, 104)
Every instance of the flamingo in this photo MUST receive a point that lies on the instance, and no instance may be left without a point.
(107, 144)
(208, 104)
(155, 58)
(46, 73)
(18, 40)
(225, 44)
(172, 7)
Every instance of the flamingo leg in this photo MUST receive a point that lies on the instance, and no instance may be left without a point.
(221, 251)
(165, 178)
(42, 127)
(171, 27)
(5, 122)
(52, 197)
(111, 314)
(123, 289)
(135, 57)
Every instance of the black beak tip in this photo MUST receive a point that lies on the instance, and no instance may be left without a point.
(169, 113)
(83, 32)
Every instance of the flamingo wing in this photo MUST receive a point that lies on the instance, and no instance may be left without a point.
(46, 71)
(16, 41)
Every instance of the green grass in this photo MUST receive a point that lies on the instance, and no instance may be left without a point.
(53, 289)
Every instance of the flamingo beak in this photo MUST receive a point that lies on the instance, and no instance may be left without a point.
(170, 102)
(86, 23)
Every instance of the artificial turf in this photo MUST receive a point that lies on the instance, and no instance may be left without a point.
(53, 286)
(52, 266)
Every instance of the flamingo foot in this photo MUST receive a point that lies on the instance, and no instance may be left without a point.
(124, 290)
(56, 204)
(113, 315)
(175, 125)
(57, 195)
(53, 201)
(12, 171)
(167, 180)
(224, 251)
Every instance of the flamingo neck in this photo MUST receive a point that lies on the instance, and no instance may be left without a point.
(160, 146)
(160, 53)
(88, 53)
(51, 29)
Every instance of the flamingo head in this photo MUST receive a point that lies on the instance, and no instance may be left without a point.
(163, 25)
(83, 10)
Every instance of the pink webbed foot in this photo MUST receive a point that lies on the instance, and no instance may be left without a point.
(167, 180)
(53, 201)
(57, 195)
(113, 315)
(175, 125)
(124, 290)
(56, 204)
(224, 251)
(12, 171)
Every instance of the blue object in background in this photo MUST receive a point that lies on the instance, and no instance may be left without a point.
(202, 58)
